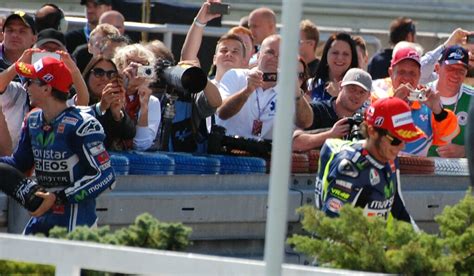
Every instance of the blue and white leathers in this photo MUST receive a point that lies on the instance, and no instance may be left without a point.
(69, 158)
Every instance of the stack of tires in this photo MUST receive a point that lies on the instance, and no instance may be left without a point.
(240, 165)
(120, 163)
(186, 163)
(149, 163)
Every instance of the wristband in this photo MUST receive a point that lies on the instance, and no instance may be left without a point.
(199, 24)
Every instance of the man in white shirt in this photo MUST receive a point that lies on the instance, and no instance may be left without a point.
(249, 97)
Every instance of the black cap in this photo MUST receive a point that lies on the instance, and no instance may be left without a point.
(51, 35)
(23, 16)
(98, 2)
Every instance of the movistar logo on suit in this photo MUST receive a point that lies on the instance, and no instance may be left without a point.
(45, 140)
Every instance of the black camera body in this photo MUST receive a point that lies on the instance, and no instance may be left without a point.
(354, 126)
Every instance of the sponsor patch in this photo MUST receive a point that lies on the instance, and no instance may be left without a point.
(105, 166)
(96, 150)
(69, 120)
(374, 177)
(38, 65)
(462, 118)
(339, 194)
(103, 157)
(378, 121)
(402, 119)
(61, 128)
(343, 185)
(406, 133)
(334, 205)
(48, 78)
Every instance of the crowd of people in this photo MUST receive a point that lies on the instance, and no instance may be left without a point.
(68, 97)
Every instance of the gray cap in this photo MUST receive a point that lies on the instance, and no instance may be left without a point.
(358, 77)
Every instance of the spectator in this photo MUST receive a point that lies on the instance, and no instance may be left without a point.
(50, 16)
(95, 46)
(14, 99)
(339, 55)
(230, 50)
(5, 139)
(115, 19)
(186, 129)
(244, 21)
(262, 24)
(401, 29)
(309, 39)
(330, 117)
(65, 146)
(366, 174)
(246, 36)
(51, 40)
(107, 100)
(19, 34)
(112, 43)
(249, 102)
(362, 54)
(455, 96)
(439, 124)
(93, 9)
(143, 108)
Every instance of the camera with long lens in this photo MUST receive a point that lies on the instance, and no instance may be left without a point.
(220, 143)
(354, 126)
(184, 79)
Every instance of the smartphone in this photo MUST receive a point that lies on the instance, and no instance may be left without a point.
(470, 39)
(270, 76)
(219, 8)
(39, 55)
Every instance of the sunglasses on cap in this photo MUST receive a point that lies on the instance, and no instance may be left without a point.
(99, 73)
(394, 141)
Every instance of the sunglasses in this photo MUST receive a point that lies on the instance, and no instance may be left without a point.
(394, 141)
(99, 73)
(28, 82)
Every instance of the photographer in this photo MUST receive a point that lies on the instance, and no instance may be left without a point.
(133, 63)
(331, 118)
(183, 126)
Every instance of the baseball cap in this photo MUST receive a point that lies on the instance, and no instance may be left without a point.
(98, 2)
(23, 16)
(405, 53)
(51, 35)
(358, 77)
(394, 115)
(455, 55)
(48, 69)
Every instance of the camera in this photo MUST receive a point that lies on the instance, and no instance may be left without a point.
(220, 143)
(270, 77)
(185, 79)
(354, 127)
(417, 95)
(147, 72)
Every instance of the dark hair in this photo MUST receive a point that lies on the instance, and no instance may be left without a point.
(49, 20)
(400, 28)
(235, 37)
(87, 72)
(322, 71)
(59, 95)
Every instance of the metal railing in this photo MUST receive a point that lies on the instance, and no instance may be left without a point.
(69, 257)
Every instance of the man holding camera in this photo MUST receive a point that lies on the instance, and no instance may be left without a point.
(332, 118)
(249, 97)
(439, 124)
(365, 174)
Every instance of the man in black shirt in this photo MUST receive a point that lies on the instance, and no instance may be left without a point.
(330, 118)
(94, 9)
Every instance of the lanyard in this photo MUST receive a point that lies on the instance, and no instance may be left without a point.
(260, 111)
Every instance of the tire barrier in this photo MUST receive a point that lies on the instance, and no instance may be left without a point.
(120, 163)
(150, 163)
(186, 163)
(416, 165)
